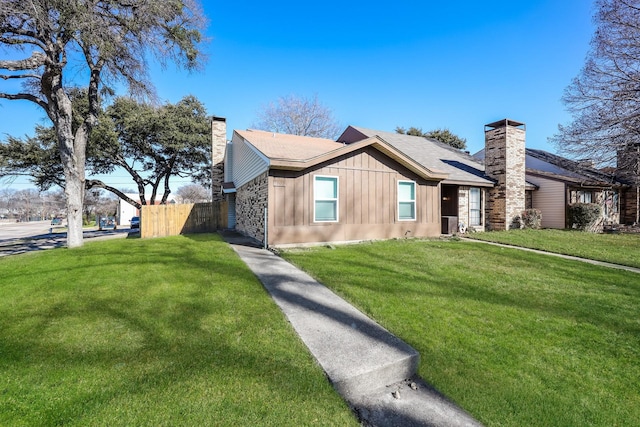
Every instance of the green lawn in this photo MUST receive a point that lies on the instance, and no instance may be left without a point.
(515, 338)
(169, 332)
(617, 248)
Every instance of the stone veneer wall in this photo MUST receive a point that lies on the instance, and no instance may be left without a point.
(505, 162)
(464, 214)
(218, 146)
(251, 200)
(463, 205)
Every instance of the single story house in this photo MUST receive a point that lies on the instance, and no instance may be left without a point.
(286, 189)
(372, 184)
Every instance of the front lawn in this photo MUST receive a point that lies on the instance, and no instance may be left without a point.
(616, 248)
(515, 338)
(161, 332)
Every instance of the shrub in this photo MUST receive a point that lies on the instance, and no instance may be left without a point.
(584, 216)
(531, 218)
(516, 223)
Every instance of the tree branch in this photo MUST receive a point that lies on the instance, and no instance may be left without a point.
(96, 183)
(25, 97)
(37, 60)
(19, 76)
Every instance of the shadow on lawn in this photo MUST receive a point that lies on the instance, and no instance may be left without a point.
(142, 338)
(475, 272)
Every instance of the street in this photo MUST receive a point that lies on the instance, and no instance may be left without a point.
(19, 230)
(21, 237)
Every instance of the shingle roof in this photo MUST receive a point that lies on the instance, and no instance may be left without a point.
(288, 147)
(572, 170)
(299, 152)
(461, 167)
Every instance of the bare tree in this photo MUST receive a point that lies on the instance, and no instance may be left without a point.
(299, 116)
(193, 193)
(604, 99)
(53, 41)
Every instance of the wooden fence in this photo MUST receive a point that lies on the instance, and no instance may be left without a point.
(171, 220)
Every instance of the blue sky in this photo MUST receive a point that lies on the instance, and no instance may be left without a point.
(429, 64)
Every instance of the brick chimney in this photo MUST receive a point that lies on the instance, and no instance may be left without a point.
(504, 161)
(218, 146)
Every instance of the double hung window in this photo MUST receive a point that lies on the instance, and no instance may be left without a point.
(475, 204)
(325, 194)
(406, 200)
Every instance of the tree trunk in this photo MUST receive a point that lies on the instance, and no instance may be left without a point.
(72, 156)
(74, 190)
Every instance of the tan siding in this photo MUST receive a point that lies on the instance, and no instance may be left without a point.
(367, 202)
(298, 217)
(550, 200)
(349, 201)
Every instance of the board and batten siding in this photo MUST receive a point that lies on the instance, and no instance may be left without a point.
(550, 199)
(367, 202)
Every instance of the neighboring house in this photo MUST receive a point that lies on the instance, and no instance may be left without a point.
(375, 185)
(560, 182)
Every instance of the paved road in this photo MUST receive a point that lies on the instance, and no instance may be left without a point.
(17, 238)
(18, 230)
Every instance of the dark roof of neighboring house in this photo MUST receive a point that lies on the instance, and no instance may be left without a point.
(545, 164)
(462, 168)
(573, 170)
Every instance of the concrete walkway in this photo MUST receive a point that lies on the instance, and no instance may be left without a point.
(574, 258)
(374, 371)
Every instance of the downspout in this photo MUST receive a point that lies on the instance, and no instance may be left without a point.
(266, 240)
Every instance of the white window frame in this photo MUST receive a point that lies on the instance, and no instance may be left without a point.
(336, 199)
(479, 209)
(415, 189)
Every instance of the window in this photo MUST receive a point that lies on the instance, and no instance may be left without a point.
(578, 196)
(325, 190)
(475, 205)
(611, 203)
(406, 200)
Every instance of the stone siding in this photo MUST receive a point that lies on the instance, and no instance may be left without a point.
(463, 205)
(218, 146)
(251, 200)
(505, 162)
(464, 209)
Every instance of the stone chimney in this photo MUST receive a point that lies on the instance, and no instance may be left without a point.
(504, 161)
(218, 146)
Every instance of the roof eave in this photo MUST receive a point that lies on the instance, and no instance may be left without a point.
(467, 183)
(377, 143)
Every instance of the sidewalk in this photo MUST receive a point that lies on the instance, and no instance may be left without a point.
(374, 371)
(574, 258)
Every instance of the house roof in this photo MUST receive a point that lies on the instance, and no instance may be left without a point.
(461, 168)
(288, 147)
(549, 165)
(291, 152)
(567, 169)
